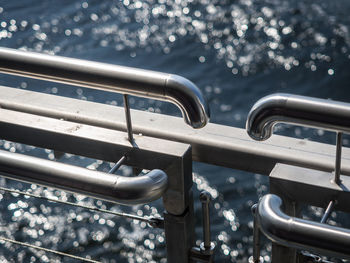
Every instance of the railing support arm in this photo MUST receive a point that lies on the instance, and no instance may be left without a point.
(123, 190)
(300, 233)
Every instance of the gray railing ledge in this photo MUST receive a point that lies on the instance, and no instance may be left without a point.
(122, 190)
(112, 78)
(300, 233)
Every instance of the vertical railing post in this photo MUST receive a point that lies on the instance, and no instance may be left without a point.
(179, 215)
(128, 118)
(291, 207)
(256, 235)
(337, 167)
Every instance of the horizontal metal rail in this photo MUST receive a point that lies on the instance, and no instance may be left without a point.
(31, 113)
(299, 233)
(122, 190)
(113, 78)
(306, 111)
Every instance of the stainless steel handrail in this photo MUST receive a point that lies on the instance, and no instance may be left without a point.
(287, 108)
(118, 189)
(113, 78)
(300, 233)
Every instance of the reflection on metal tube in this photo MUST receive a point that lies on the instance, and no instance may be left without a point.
(144, 83)
(300, 233)
(118, 189)
(306, 111)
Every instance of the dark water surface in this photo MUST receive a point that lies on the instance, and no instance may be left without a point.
(235, 51)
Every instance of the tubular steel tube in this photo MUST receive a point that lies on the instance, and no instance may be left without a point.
(337, 170)
(113, 78)
(118, 189)
(328, 212)
(128, 118)
(306, 111)
(256, 235)
(300, 233)
(117, 165)
(205, 200)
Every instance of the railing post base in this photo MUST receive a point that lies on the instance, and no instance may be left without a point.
(179, 235)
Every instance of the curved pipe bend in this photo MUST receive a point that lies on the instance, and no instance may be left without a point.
(123, 190)
(108, 77)
(300, 233)
(306, 111)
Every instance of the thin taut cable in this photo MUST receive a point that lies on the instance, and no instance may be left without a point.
(47, 250)
(152, 220)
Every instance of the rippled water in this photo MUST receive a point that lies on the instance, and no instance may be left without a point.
(235, 51)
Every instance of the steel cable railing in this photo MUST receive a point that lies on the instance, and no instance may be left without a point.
(59, 253)
(155, 222)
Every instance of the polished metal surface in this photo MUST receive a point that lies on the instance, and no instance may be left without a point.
(300, 233)
(205, 199)
(205, 252)
(301, 110)
(117, 165)
(144, 83)
(337, 166)
(123, 190)
(256, 235)
(128, 118)
(328, 211)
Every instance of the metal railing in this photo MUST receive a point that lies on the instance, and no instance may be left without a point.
(113, 78)
(277, 226)
(306, 111)
(168, 145)
(127, 191)
(123, 190)
(288, 108)
(299, 233)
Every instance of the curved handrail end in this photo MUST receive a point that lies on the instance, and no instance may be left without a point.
(299, 110)
(258, 126)
(190, 100)
(300, 233)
